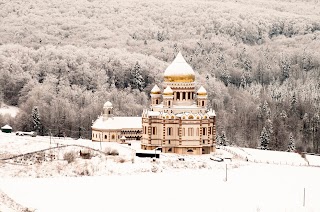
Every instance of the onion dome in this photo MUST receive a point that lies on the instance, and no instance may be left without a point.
(107, 104)
(202, 91)
(179, 71)
(155, 90)
(168, 91)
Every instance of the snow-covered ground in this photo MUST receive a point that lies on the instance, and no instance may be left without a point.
(125, 182)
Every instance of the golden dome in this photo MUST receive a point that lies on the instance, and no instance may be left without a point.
(155, 90)
(202, 91)
(168, 91)
(179, 71)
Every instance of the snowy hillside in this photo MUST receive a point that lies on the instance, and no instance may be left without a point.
(124, 182)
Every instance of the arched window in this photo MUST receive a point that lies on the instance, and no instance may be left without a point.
(169, 103)
(157, 101)
(154, 131)
(105, 137)
(109, 112)
(112, 137)
(202, 103)
(190, 131)
(190, 117)
(189, 150)
(169, 131)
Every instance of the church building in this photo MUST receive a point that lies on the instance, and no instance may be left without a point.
(178, 119)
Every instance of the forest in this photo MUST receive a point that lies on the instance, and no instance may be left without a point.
(259, 60)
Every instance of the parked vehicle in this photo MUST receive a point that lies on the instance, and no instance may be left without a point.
(32, 133)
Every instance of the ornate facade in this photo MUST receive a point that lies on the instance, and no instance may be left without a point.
(178, 119)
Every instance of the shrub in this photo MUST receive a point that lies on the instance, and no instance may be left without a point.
(69, 156)
(114, 152)
(110, 151)
(121, 160)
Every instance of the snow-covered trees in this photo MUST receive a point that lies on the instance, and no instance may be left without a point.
(79, 65)
(291, 144)
(36, 119)
(137, 81)
(264, 139)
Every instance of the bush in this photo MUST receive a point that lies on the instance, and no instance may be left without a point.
(110, 151)
(69, 156)
(121, 160)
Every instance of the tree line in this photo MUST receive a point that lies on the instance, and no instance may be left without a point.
(261, 70)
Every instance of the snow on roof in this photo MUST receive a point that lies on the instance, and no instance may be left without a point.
(211, 113)
(168, 90)
(107, 104)
(179, 67)
(118, 123)
(6, 127)
(153, 113)
(202, 90)
(155, 90)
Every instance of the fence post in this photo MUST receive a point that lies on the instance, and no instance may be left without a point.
(304, 197)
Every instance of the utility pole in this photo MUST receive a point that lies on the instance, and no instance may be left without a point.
(226, 172)
(304, 197)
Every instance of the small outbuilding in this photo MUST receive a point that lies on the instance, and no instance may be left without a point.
(6, 129)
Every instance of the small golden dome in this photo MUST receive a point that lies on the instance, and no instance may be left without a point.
(168, 91)
(179, 71)
(202, 91)
(155, 90)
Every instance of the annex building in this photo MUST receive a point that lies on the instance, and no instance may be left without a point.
(111, 128)
(178, 119)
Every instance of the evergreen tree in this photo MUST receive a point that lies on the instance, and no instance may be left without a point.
(291, 145)
(223, 139)
(225, 77)
(285, 68)
(137, 80)
(293, 103)
(264, 139)
(243, 82)
(217, 138)
(36, 119)
(266, 110)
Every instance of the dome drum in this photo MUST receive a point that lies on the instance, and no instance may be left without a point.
(180, 78)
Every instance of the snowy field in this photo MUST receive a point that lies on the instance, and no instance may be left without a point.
(124, 182)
